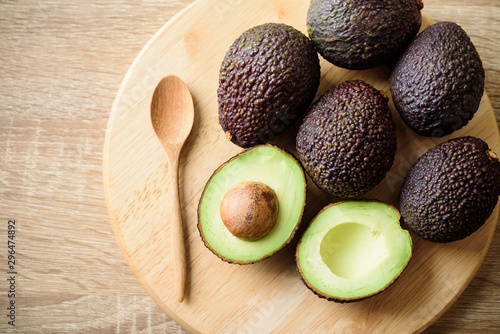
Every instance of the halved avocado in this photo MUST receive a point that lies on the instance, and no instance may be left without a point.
(266, 166)
(353, 250)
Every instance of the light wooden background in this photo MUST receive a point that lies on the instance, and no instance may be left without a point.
(61, 64)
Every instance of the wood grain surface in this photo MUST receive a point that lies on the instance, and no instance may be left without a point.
(61, 66)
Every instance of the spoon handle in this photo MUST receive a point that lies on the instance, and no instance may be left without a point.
(177, 235)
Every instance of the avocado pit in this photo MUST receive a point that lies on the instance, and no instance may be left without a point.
(249, 210)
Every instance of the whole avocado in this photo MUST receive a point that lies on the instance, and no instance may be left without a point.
(438, 82)
(347, 140)
(267, 80)
(361, 34)
(451, 190)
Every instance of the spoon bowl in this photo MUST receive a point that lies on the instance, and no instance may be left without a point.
(172, 116)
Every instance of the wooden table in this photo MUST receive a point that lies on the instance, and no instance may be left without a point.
(61, 65)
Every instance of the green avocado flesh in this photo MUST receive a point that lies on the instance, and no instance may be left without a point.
(266, 164)
(353, 250)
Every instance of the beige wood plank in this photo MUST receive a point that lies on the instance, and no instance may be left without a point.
(62, 63)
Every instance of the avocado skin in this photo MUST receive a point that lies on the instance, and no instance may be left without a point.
(438, 82)
(362, 34)
(267, 80)
(451, 190)
(347, 141)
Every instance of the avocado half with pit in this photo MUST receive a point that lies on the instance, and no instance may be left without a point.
(252, 205)
(353, 250)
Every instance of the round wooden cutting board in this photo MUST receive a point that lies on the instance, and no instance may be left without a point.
(268, 296)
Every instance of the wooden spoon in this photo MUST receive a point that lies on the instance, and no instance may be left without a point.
(172, 115)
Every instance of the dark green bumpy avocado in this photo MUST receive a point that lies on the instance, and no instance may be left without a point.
(361, 34)
(267, 80)
(438, 82)
(451, 190)
(347, 141)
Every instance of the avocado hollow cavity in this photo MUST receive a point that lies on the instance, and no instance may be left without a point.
(353, 250)
(266, 165)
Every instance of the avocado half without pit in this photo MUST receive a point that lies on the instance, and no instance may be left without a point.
(353, 250)
(252, 205)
